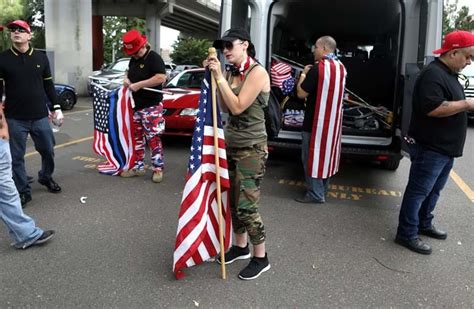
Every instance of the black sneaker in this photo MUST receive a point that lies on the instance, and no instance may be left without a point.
(235, 253)
(47, 235)
(256, 267)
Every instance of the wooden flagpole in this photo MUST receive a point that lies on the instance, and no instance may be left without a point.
(212, 52)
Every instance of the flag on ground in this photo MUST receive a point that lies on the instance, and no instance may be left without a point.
(197, 238)
(113, 129)
(325, 141)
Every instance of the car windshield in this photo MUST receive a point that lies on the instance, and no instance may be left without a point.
(120, 66)
(187, 79)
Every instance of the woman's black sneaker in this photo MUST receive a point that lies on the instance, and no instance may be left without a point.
(235, 253)
(256, 267)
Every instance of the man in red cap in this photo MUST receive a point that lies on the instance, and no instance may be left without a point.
(146, 70)
(436, 136)
(27, 77)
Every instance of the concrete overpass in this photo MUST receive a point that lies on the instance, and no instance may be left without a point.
(74, 29)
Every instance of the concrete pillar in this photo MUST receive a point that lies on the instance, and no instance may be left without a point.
(97, 42)
(153, 26)
(69, 35)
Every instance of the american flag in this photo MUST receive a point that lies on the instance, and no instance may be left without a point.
(113, 129)
(325, 142)
(279, 72)
(197, 238)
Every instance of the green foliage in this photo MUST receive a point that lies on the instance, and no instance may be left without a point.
(455, 18)
(114, 27)
(9, 10)
(190, 50)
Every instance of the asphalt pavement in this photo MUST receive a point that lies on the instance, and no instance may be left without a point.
(115, 238)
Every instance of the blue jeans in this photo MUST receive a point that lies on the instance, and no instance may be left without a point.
(317, 188)
(429, 173)
(22, 229)
(43, 138)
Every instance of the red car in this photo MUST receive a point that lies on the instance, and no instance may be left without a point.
(180, 108)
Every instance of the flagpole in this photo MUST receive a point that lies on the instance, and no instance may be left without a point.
(212, 52)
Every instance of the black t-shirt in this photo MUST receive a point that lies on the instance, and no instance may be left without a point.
(446, 135)
(144, 68)
(310, 85)
(27, 78)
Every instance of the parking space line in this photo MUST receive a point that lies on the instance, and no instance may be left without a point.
(462, 185)
(77, 141)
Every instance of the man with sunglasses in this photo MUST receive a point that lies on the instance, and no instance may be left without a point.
(26, 75)
(436, 136)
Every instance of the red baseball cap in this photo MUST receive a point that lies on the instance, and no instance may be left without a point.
(456, 39)
(19, 23)
(133, 40)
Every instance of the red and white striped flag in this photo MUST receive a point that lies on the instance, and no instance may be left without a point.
(325, 142)
(279, 72)
(197, 238)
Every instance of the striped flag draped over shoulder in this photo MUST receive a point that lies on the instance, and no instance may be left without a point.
(325, 142)
(197, 238)
(113, 129)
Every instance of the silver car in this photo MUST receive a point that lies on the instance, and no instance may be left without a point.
(110, 76)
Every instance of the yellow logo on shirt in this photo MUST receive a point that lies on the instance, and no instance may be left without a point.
(142, 66)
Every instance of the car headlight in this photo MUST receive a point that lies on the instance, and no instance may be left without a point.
(189, 112)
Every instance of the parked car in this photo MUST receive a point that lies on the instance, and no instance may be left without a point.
(180, 109)
(467, 80)
(180, 68)
(169, 68)
(112, 75)
(67, 96)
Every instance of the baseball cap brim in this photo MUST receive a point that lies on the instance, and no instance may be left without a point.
(20, 24)
(219, 44)
(440, 51)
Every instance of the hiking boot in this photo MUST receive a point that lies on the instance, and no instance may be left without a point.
(52, 186)
(235, 253)
(132, 173)
(157, 176)
(255, 268)
(24, 199)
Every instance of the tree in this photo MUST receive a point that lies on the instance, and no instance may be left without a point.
(113, 29)
(33, 13)
(456, 19)
(10, 10)
(190, 50)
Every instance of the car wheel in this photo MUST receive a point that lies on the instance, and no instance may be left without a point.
(67, 100)
(391, 164)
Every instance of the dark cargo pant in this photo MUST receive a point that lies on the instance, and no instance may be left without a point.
(246, 170)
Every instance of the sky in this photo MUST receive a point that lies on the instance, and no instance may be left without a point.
(168, 36)
(468, 3)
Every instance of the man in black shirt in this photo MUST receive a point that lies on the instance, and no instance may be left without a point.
(27, 77)
(436, 136)
(322, 85)
(146, 70)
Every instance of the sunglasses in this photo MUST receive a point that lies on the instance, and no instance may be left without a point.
(229, 45)
(21, 30)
